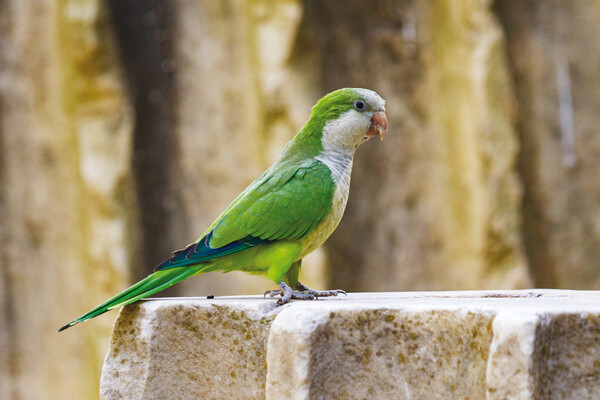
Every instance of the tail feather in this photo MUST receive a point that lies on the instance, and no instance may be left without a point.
(148, 286)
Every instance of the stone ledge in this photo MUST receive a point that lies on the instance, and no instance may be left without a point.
(534, 344)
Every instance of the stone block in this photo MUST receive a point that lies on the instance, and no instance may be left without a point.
(189, 349)
(536, 344)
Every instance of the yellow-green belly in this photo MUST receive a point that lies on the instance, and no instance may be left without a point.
(329, 223)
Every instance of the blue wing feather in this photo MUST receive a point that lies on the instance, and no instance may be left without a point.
(200, 251)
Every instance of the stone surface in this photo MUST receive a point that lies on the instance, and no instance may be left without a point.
(357, 351)
(508, 370)
(189, 349)
(533, 344)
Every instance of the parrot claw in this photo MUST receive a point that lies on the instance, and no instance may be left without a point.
(301, 293)
(273, 293)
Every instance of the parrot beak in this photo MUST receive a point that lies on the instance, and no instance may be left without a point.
(379, 125)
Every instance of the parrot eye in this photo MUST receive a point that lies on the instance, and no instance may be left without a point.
(359, 105)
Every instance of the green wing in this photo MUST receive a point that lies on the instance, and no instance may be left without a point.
(287, 202)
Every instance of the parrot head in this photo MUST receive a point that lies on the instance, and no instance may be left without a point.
(350, 116)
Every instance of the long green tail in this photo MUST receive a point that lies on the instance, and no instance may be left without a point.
(153, 283)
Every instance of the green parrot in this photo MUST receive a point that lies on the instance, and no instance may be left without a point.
(289, 211)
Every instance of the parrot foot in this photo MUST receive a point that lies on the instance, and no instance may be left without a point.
(288, 294)
(302, 293)
(319, 293)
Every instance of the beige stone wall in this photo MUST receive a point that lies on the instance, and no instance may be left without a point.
(554, 53)
(127, 126)
(66, 195)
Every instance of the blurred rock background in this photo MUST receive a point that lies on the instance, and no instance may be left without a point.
(127, 126)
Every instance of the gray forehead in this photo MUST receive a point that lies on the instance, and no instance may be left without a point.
(372, 98)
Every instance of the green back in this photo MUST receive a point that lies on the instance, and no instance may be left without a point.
(287, 203)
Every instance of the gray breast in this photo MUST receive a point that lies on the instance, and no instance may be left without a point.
(340, 172)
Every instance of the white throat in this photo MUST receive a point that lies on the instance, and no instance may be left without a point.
(340, 139)
(340, 164)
